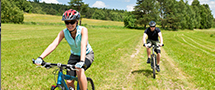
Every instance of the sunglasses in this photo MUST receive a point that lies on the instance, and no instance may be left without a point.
(152, 26)
(71, 22)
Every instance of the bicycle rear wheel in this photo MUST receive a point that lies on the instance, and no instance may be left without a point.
(90, 84)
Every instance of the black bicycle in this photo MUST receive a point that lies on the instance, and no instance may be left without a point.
(153, 59)
(61, 77)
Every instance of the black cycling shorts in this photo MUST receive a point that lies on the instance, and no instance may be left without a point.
(74, 59)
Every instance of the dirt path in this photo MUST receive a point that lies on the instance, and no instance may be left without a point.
(140, 75)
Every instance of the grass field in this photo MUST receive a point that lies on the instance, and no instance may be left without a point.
(187, 61)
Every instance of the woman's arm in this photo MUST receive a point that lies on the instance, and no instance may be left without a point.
(84, 40)
(53, 45)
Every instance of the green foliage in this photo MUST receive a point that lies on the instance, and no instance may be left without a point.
(129, 21)
(146, 11)
(23, 5)
(189, 17)
(10, 13)
(174, 14)
(99, 14)
(84, 9)
(182, 12)
(196, 7)
(171, 18)
(78, 5)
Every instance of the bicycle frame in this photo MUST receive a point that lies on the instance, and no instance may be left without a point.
(62, 77)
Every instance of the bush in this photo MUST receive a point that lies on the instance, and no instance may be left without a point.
(129, 21)
(10, 13)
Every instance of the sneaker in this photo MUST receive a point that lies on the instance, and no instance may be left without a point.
(70, 88)
(157, 68)
(148, 61)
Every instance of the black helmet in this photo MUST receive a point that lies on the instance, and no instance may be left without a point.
(152, 24)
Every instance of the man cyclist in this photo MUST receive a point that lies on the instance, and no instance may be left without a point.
(153, 33)
(81, 51)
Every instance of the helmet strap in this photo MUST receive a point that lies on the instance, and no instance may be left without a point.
(74, 28)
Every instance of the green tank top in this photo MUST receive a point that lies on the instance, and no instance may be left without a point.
(76, 44)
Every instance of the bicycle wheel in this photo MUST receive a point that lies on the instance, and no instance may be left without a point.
(59, 87)
(90, 84)
(154, 67)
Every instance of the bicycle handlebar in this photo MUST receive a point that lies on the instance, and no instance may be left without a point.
(156, 46)
(65, 66)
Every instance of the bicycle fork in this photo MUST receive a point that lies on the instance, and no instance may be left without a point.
(153, 60)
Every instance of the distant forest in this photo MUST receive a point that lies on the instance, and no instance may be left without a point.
(88, 12)
(169, 14)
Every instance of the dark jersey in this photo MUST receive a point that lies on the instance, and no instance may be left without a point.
(152, 35)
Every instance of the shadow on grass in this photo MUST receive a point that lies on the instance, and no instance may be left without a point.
(147, 72)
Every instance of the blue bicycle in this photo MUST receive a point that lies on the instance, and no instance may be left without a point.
(61, 84)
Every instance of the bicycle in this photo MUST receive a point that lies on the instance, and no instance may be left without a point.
(61, 84)
(153, 59)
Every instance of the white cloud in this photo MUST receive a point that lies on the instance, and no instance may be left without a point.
(99, 4)
(50, 1)
(130, 7)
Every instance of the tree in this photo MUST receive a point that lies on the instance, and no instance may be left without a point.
(129, 21)
(10, 13)
(99, 14)
(196, 8)
(170, 17)
(209, 18)
(182, 9)
(146, 11)
(190, 17)
(203, 14)
(79, 6)
(23, 5)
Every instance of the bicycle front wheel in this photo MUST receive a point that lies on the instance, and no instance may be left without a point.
(154, 67)
(90, 84)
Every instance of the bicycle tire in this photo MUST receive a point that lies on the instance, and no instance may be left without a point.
(90, 84)
(154, 67)
(60, 87)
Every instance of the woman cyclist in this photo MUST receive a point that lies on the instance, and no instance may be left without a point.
(81, 51)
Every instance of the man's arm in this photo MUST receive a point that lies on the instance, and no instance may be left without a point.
(161, 38)
(144, 38)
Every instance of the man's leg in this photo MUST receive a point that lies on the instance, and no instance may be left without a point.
(158, 62)
(148, 54)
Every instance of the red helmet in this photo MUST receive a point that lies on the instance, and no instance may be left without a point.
(71, 15)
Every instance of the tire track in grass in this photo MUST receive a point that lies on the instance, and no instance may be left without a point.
(170, 77)
(140, 75)
(128, 82)
(178, 79)
(198, 48)
(116, 80)
(199, 44)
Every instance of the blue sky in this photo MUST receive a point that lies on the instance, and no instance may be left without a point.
(123, 4)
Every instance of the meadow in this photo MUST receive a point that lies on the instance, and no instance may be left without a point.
(187, 61)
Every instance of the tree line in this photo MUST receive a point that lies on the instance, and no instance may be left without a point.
(13, 10)
(170, 14)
